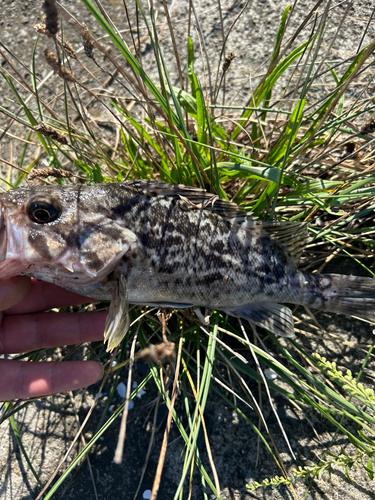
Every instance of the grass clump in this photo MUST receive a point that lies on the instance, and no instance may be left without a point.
(297, 145)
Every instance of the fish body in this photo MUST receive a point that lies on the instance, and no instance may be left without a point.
(167, 245)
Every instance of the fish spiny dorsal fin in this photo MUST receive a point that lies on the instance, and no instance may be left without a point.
(289, 237)
(195, 198)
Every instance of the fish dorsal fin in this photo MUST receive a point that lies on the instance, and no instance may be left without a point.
(195, 198)
(289, 237)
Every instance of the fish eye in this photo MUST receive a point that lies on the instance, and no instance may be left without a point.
(43, 211)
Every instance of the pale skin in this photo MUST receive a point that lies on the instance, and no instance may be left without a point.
(24, 327)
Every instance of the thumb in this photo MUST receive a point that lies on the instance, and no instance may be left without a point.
(13, 291)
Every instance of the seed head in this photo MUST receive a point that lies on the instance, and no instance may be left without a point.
(52, 60)
(87, 42)
(52, 17)
(50, 172)
(369, 127)
(42, 29)
(57, 67)
(227, 61)
(67, 48)
(48, 131)
(163, 353)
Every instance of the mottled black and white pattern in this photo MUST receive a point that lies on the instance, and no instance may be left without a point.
(176, 246)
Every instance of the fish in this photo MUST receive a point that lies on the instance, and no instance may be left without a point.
(167, 245)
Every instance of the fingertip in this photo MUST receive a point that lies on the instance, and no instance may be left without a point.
(13, 291)
(94, 370)
(85, 374)
(21, 379)
(72, 375)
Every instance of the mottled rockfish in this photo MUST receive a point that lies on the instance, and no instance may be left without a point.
(167, 245)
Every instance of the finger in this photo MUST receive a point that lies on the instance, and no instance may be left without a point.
(13, 291)
(21, 379)
(44, 296)
(27, 332)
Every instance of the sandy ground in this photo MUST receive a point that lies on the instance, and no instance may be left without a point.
(48, 426)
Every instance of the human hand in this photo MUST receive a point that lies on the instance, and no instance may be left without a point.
(25, 327)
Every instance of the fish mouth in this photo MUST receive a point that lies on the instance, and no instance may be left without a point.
(3, 235)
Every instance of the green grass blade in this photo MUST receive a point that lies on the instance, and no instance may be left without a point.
(266, 86)
(22, 448)
(275, 54)
(272, 174)
(286, 140)
(201, 401)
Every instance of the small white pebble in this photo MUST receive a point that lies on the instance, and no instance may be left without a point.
(114, 363)
(147, 494)
(270, 374)
(140, 393)
(121, 389)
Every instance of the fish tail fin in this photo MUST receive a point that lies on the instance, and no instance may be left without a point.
(350, 295)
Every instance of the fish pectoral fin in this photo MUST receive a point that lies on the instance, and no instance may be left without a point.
(276, 318)
(117, 322)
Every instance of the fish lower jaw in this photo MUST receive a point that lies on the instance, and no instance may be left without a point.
(62, 277)
(66, 275)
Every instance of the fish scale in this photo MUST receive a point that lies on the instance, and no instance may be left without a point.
(167, 245)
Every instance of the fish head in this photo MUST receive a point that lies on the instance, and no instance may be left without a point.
(60, 234)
